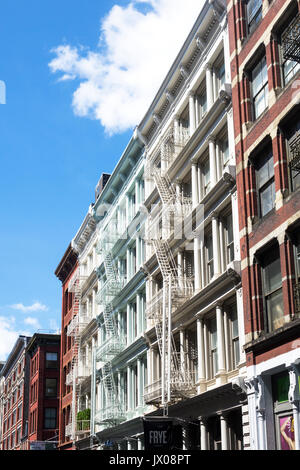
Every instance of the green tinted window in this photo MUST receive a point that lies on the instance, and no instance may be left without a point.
(281, 386)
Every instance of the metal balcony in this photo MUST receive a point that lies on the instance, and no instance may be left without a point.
(111, 414)
(83, 426)
(111, 348)
(153, 392)
(110, 289)
(291, 41)
(77, 325)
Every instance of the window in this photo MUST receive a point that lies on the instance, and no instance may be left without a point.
(224, 147)
(254, 14)
(272, 287)
(265, 182)
(51, 388)
(235, 343)
(19, 412)
(50, 418)
(209, 257)
(293, 141)
(283, 412)
(229, 240)
(51, 360)
(205, 172)
(18, 436)
(14, 417)
(259, 82)
(219, 71)
(201, 103)
(289, 67)
(13, 440)
(213, 347)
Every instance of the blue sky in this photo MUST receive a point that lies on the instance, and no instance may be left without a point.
(57, 135)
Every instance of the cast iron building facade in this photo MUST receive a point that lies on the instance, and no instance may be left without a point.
(195, 324)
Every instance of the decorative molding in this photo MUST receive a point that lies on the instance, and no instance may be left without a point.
(184, 72)
(200, 43)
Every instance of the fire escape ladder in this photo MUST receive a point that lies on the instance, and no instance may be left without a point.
(175, 289)
(113, 344)
(165, 188)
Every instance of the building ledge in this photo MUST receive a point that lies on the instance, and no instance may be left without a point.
(267, 341)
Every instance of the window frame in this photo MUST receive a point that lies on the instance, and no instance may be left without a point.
(263, 88)
(255, 19)
(260, 162)
(50, 418)
(54, 395)
(267, 258)
(47, 361)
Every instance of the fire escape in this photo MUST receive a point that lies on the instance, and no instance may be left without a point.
(291, 41)
(175, 381)
(113, 412)
(75, 329)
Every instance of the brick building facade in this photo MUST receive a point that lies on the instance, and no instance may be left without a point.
(64, 272)
(44, 352)
(265, 95)
(15, 397)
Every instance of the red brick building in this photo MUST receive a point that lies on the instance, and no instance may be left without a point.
(66, 268)
(44, 352)
(15, 398)
(265, 71)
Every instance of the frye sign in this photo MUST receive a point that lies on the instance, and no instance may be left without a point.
(158, 434)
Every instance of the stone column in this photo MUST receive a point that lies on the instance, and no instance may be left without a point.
(216, 245)
(176, 131)
(209, 85)
(192, 112)
(137, 194)
(203, 434)
(182, 351)
(128, 263)
(224, 431)
(195, 188)
(140, 444)
(128, 208)
(220, 339)
(235, 224)
(129, 389)
(201, 355)
(129, 324)
(223, 255)
(138, 314)
(139, 383)
(197, 264)
(227, 357)
(212, 160)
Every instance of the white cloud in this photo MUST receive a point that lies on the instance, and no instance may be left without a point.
(31, 321)
(35, 307)
(8, 336)
(137, 46)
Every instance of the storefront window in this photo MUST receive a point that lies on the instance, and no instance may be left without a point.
(283, 413)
